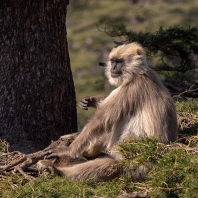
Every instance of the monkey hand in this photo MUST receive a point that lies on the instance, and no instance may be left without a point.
(89, 101)
(66, 140)
(59, 151)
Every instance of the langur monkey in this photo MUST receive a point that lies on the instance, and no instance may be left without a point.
(139, 106)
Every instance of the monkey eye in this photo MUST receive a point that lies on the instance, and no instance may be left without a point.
(112, 60)
(116, 60)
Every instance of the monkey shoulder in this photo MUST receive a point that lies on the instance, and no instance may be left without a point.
(110, 97)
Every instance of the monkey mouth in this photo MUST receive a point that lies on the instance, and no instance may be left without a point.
(115, 75)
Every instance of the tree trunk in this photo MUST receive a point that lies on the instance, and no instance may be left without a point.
(37, 97)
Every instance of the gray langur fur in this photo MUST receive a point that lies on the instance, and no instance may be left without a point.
(139, 106)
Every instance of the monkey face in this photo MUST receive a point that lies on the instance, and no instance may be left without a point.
(116, 67)
(125, 62)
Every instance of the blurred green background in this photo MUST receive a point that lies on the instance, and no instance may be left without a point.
(88, 45)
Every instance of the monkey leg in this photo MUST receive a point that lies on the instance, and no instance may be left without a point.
(52, 165)
(101, 169)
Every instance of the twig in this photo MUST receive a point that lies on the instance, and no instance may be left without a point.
(19, 161)
(11, 165)
(20, 170)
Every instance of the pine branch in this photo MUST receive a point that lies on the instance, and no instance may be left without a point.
(177, 45)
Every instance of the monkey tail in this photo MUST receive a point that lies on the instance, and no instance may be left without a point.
(101, 169)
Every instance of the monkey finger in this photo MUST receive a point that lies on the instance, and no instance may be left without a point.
(82, 106)
(85, 100)
(92, 98)
(47, 152)
(52, 155)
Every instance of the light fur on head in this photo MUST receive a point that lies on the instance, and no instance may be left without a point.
(135, 63)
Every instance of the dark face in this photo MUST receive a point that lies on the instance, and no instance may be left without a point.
(116, 67)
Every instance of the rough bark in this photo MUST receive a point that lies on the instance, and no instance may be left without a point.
(37, 97)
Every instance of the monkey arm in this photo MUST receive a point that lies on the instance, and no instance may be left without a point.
(90, 101)
(89, 143)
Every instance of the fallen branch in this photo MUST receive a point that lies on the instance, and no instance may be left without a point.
(181, 89)
(17, 161)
